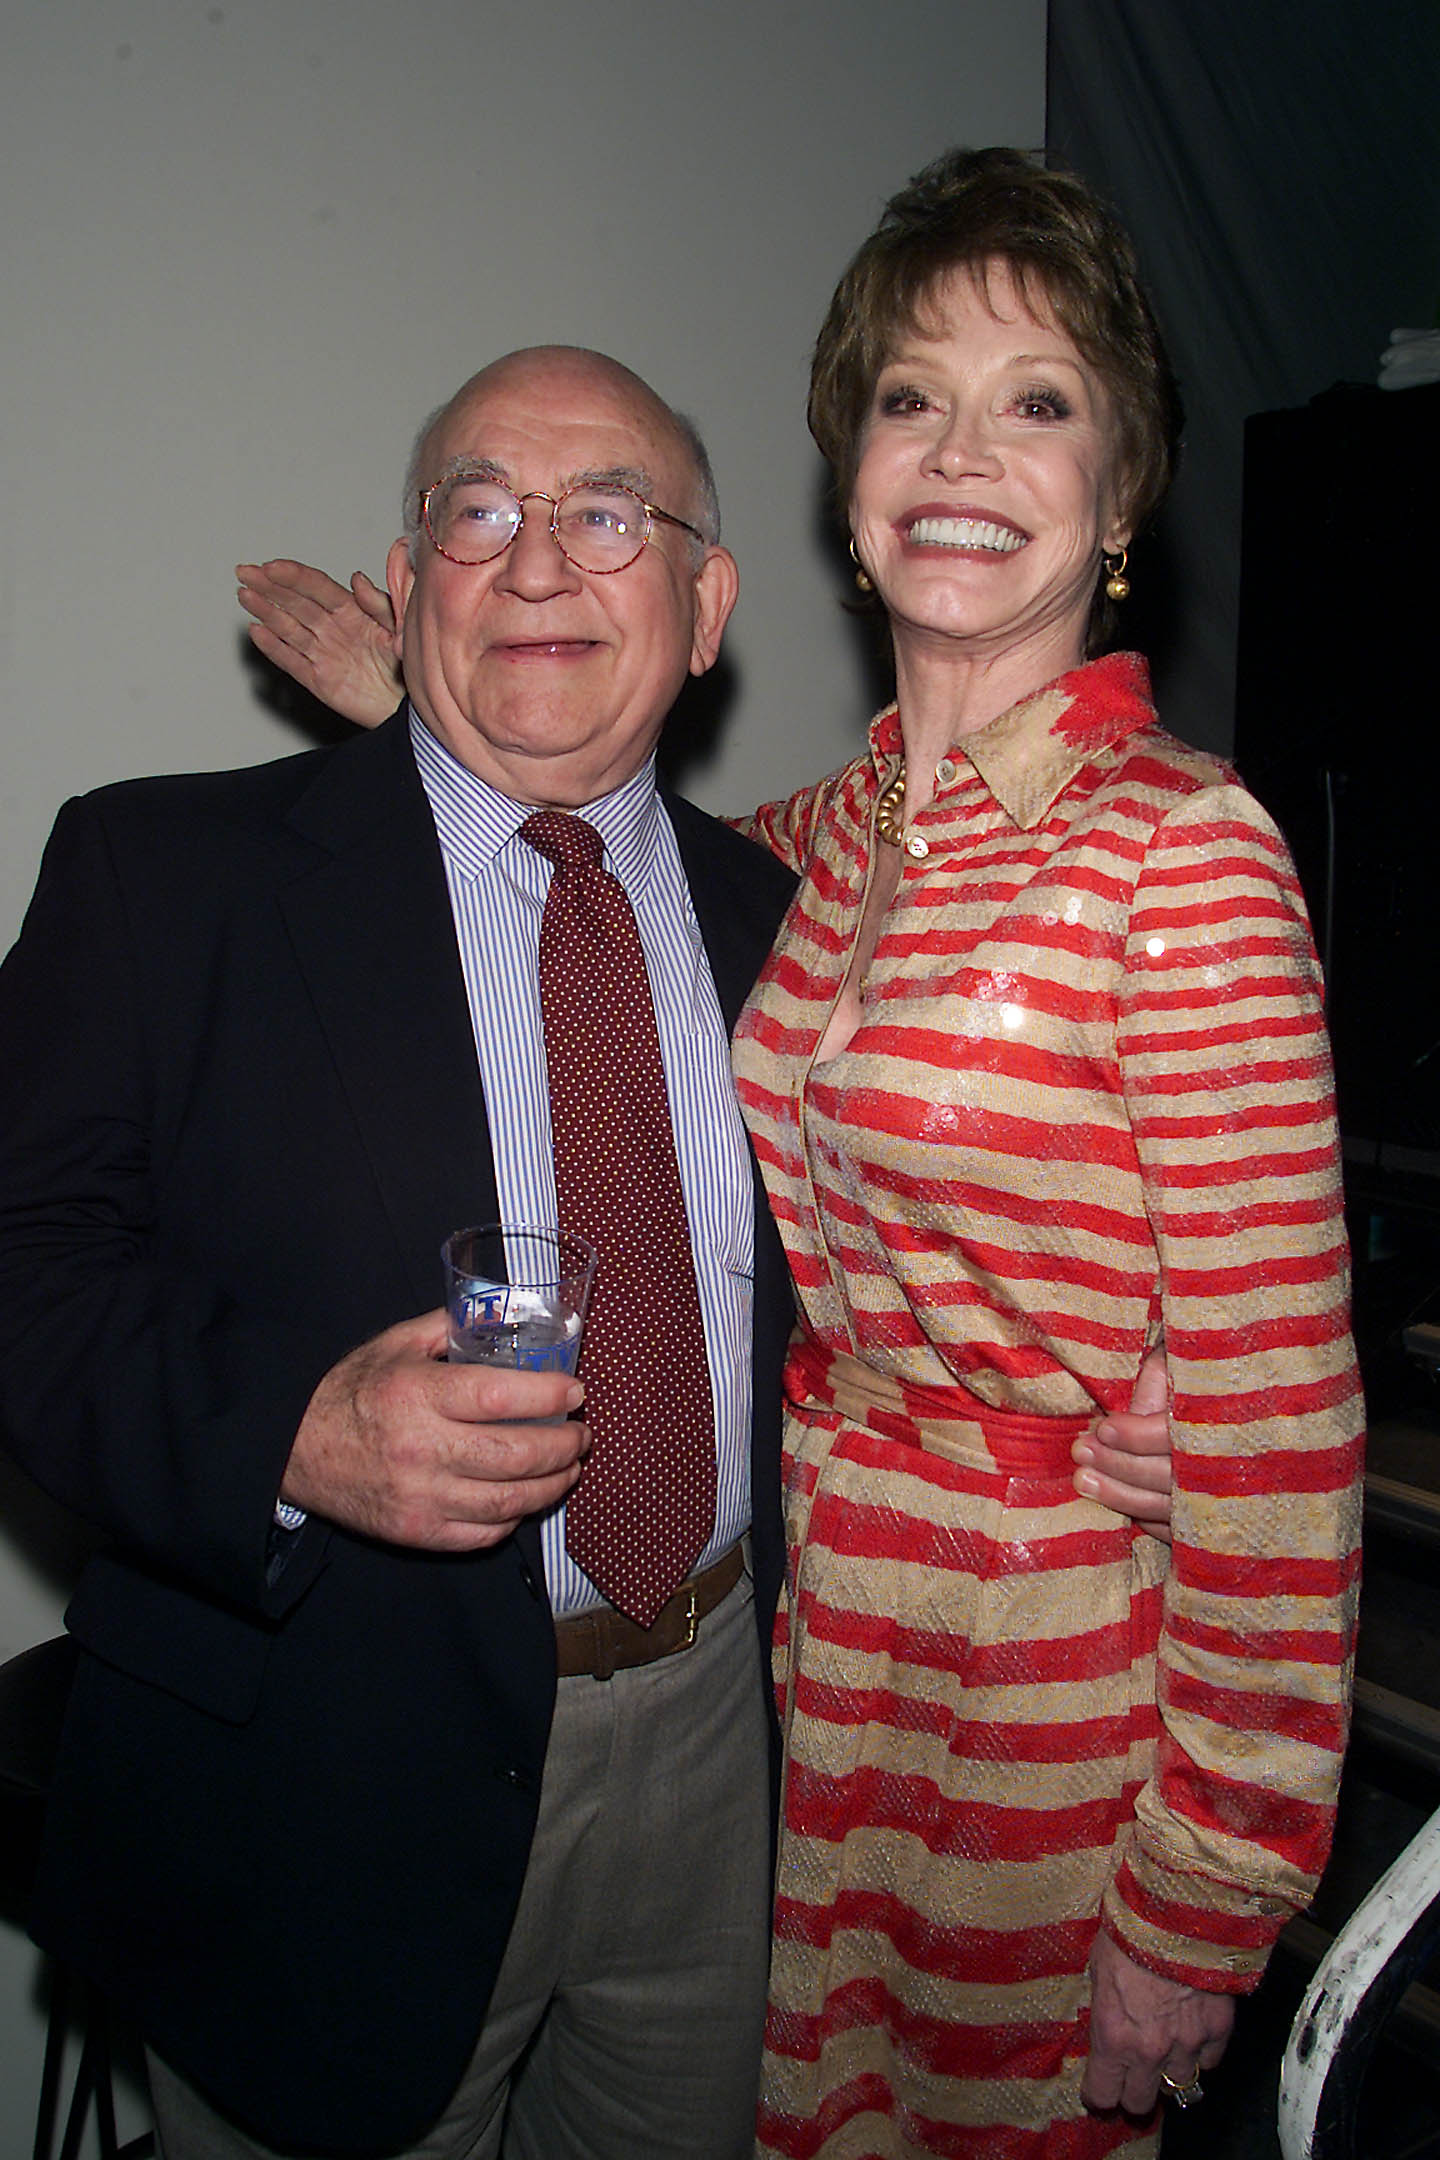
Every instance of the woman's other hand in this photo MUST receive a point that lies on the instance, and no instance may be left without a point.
(338, 644)
(1142, 2025)
(1124, 1461)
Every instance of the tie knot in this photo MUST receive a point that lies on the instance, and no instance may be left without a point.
(565, 839)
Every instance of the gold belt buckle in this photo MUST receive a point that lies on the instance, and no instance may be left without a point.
(689, 1623)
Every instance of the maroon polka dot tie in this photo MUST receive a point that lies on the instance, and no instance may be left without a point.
(645, 1504)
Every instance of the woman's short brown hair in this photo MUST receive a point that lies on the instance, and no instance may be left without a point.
(1070, 257)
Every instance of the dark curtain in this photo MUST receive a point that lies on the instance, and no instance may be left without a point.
(1278, 166)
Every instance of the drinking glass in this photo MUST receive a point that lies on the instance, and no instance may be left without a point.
(516, 1295)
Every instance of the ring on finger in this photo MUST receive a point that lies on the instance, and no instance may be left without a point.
(1187, 2095)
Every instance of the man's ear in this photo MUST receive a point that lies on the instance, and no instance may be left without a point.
(717, 587)
(399, 579)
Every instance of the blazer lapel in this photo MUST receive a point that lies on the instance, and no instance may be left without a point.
(740, 892)
(375, 941)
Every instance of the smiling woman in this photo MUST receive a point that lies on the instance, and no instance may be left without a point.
(1036, 1073)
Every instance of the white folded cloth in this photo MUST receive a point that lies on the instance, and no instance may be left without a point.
(1412, 356)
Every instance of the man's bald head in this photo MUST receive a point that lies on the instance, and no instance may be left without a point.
(702, 508)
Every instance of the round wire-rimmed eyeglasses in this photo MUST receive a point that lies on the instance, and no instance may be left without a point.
(599, 526)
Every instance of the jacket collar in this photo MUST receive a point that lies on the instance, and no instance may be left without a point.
(1029, 755)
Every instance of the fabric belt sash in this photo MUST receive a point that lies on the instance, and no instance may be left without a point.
(948, 1421)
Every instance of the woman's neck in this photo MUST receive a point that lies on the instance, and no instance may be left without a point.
(946, 692)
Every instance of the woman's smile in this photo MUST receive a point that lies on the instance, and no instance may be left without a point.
(973, 530)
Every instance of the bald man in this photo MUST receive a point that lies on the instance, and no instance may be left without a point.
(394, 1835)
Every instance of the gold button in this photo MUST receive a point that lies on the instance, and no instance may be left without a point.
(945, 772)
(917, 847)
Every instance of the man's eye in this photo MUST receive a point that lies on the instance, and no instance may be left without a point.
(476, 507)
(601, 514)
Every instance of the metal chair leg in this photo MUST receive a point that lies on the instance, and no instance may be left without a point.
(93, 2088)
(56, 2027)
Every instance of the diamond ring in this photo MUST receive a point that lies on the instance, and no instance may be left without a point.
(1187, 2095)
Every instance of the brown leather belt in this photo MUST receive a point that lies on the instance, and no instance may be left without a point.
(604, 1642)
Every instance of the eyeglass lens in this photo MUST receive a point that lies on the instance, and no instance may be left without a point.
(473, 519)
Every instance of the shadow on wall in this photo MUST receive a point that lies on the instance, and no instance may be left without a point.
(278, 694)
(859, 616)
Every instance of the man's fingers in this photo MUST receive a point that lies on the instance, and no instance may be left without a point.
(1101, 2086)
(428, 1333)
(279, 607)
(455, 1534)
(514, 1455)
(337, 641)
(496, 1395)
(1127, 1468)
(493, 1476)
(1124, 1463)
(1121, 1452)
(1111, 2082)
(1133, 1485)
(401, 1445)
(279, 636)
(1151, 1394)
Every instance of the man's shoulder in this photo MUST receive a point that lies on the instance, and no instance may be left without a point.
(160, 796)
(731, 855)
(247, 796)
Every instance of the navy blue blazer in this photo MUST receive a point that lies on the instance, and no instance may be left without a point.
(239, 1109)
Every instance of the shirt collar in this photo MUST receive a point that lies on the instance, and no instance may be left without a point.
(475, 821)
(1028, 755)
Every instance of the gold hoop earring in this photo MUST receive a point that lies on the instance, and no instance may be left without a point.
(1117, 585)
(862, 583)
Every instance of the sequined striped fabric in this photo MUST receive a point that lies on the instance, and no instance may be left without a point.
(1089, 1098)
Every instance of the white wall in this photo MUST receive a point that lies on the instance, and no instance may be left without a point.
(249, 245)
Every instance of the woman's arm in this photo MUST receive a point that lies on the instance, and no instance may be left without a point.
(1227, 1080)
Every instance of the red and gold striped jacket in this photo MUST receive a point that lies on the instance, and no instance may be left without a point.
(1090, 1101)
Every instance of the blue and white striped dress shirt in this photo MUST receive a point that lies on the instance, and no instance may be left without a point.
(497, 887)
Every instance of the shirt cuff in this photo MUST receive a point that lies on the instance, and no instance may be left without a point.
(288, 1517)
(1203, 1933)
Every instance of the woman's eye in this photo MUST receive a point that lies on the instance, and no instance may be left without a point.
(1042, 405)
(904, 398)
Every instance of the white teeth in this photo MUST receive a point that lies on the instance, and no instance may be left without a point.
(965, 533)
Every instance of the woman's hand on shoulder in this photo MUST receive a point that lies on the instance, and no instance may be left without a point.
(1142, 2026)
(1124, 1460)
(338, 644)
